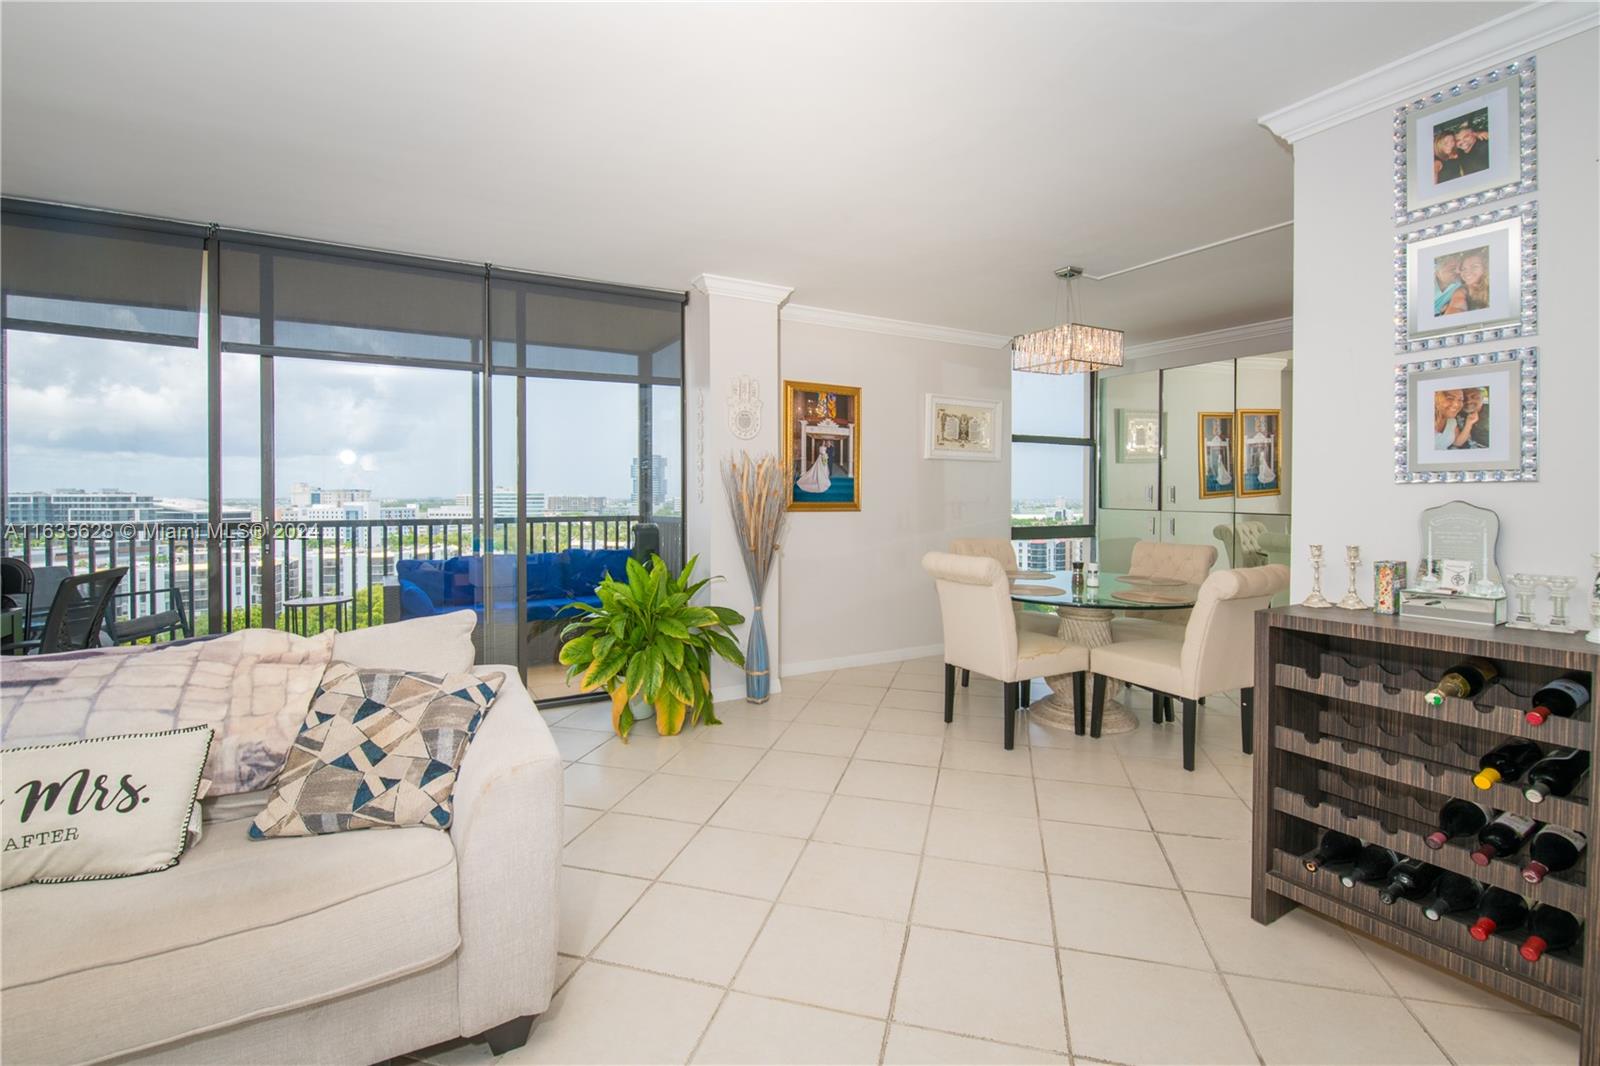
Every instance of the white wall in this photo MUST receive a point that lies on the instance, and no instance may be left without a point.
(1345, 357)
(853, 587)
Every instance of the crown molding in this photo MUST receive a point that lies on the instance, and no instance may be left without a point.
(1507, 37)
(894, 327)
(718, 285)
(1232, 335)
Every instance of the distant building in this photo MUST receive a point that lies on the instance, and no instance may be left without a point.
(304, 495)
(1042, 554)
(658, 483)
(100, 506)
(575, 505)
(505, 503)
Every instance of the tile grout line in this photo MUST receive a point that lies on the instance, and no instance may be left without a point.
(1050, 904)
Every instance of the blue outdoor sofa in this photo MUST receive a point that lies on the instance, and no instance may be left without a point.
(555, 579)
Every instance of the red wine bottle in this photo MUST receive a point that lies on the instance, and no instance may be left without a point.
(1373, 864)
(1561, 698)
(1499, 911)
(1410, 879)
(1453, 893)
(1507, 762)
(1463, 681)
(1459, 818)
(1556, 775)
(1503, 836)
(1550, 929)
(1554, 849)
(1335, 849)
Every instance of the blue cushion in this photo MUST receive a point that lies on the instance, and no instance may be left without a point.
(586, 568)
(414, 603)
(427, 577)
(460, 589)
(544, 575)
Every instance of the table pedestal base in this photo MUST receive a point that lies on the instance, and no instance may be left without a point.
(1089, 627)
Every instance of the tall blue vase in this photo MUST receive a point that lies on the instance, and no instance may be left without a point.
(757, 675)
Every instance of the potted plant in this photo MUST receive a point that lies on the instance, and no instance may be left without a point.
(647, 645)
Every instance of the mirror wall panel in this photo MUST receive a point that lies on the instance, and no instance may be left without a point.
(1130, 451)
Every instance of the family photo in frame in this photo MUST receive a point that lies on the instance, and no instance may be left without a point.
(1467, 280)
(1467, 144)
(1468, 418)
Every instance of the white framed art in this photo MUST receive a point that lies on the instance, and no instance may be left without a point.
(957, 428)
(1468, 280)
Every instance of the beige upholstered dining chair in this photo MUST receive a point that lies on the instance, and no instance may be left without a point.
(981, 633)
(1189, 563)
(1217, 652)
(1000, 550)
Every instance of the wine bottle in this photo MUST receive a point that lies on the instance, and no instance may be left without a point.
(1498, 911)
(1503, 836)
(1554, 849)
(1335, 848)
(1561, 698)
(1453, 893)
(1463, 681)
(1550, 929)
(1373, 864)
(1458, 818)
(1556, 774)
(1410, 879)
(1507, 762)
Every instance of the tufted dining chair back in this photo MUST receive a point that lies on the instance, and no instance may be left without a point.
(996, 548)
(1219, 643)
(980, 631)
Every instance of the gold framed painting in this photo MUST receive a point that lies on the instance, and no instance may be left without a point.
(1260, 450)
(822, 446)
(1214, 447)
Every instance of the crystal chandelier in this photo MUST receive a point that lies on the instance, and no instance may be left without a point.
(1072, 348)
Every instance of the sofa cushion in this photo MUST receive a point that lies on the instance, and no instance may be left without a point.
(441, 644)
(544, 575)
(587, 567)
(428, 576)
(238, 930)
(415, 603)
(459, 588)
(379, 750)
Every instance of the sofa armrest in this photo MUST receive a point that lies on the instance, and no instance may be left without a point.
(507, 834)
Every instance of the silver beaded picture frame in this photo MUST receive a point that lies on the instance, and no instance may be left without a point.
(1507, 383)
(1505, 241)
(1500, 102)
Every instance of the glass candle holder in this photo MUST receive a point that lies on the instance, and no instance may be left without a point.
(1526, 589)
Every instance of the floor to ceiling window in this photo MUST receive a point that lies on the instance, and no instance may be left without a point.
(316, 419)
(1052, 468)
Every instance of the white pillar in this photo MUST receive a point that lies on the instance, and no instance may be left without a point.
(730, 332)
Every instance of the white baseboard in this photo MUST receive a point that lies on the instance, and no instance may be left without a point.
(871, 658)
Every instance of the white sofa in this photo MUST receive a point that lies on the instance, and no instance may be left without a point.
(348, 948)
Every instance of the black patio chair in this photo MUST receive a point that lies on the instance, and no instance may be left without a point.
(170, 623)
(77, 612)
(16, 587)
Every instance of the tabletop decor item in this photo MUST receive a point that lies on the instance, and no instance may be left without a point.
(1468, 280)
(1316, 599)
(1351, 600)
(1460, 541)
(1593, 636)
(822, 446)
(961, 429)
(1466, 144)
(649, 647)
(1467, 418)
(755, 494)
(1388, 578)
(1560, 590)
(1526, 586)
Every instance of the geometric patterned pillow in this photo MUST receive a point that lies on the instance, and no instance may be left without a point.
(378, 749)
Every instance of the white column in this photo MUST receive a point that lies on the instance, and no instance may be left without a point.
(730, 332)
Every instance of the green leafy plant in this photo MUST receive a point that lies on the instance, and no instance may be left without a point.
(647, 640)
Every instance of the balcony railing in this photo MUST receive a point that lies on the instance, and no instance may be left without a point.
(335, 558)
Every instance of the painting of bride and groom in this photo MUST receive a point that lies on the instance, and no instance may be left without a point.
(822, 446)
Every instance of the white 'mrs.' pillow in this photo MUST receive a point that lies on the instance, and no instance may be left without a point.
(105, 807)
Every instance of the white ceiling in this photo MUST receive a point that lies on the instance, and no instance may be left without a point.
(932, 163)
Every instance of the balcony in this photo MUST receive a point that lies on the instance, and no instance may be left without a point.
(221, 573)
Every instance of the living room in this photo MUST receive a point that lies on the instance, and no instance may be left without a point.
(560, 533)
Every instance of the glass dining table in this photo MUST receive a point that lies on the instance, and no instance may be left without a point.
(1085, 613)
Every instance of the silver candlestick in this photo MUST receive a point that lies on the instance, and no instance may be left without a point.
(1352, 600)
(1316, 599)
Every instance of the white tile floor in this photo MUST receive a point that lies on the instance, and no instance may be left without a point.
(839, 877)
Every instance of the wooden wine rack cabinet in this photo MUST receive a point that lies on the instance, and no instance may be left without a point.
(1344, 740)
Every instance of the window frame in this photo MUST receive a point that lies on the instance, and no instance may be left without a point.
(1085, 529)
